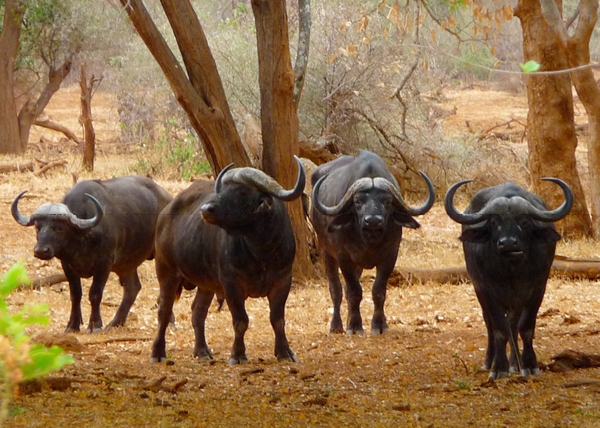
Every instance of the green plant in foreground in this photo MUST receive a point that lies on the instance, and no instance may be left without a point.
(19, 358)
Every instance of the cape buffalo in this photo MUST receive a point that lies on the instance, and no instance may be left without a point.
(100, 227)
(358, 214)
(232, 236)
(509, 240)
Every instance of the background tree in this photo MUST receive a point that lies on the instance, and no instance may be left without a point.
(199, 91)
(551, 136)
(39, 43)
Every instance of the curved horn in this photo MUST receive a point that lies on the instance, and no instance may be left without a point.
(453, 213)
(359, 185)
(88, 223)
(220, 177)
(420, 210)
(267, 184)
(14, 210)
(562, 211)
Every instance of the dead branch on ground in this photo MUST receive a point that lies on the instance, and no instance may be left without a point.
(48, 124)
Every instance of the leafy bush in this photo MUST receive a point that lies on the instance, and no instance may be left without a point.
(19, 358)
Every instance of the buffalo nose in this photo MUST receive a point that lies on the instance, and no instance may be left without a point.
(43, 252)
(508, 243)
(372, 221)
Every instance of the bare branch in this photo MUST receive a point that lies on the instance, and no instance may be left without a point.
(48, 124)
(301, 64)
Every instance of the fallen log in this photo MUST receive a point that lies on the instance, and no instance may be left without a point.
(38, 169)
(562, 266)
(45, 281)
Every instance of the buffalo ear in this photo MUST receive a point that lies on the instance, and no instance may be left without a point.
(546, 234)
(477, 235)
(341, 221)
(404, 219)
(265, 205)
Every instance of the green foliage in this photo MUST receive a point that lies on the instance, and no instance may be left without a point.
(19, 359)
(477, 61)
(529, 66)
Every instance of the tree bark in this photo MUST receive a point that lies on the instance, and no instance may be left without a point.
(200, 92)
(31, 110)
(577, 50)
(89, 135)
(279, 117)
(551, 134)
(9, 44)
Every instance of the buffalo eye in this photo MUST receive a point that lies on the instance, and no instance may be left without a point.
(387, 201)
(359, 200)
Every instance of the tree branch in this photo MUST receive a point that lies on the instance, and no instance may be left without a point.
(301, 64)
(48, 124)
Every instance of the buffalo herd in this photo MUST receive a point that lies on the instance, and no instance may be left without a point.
(233, 237)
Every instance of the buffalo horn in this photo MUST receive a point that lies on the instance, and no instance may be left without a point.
(451, 210)
(388, 185)
(267, 184)
(218, 184)
(562, 211)
(14, 209)
(359, 185)
(88, 223)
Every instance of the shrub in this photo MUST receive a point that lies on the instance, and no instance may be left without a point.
(19, 358)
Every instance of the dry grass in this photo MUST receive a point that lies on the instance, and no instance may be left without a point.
(422, 373)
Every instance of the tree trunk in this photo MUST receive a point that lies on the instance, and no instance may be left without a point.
(199, 92)
(9, 44)
(551, 134)
(279, 117)
(577, 51)
(89, 136)
(31, 110)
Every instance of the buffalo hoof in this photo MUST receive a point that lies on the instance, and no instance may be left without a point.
(527, 372)
(378, 331)
(498, 375)
(94, 330)
(205, 356)
(289, 356)
(72, 330)
(157, 360)
(360, 332)
(234, 361)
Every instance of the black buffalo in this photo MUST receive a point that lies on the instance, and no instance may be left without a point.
(233, 237)
(358, 214)
(100, 227)
(509, 241)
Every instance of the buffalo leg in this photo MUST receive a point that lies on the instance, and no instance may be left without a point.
(170, 286)
(75, 293)
(95, 295)
(335, 291)
(491, 348)
(527, 329)
(378, 322)
(131, 287)
(501, 334)
(240, 320)
(200, 308)
(353, 296)
(277, 301)
(514, 357)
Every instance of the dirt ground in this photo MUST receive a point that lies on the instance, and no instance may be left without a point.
(423, 373)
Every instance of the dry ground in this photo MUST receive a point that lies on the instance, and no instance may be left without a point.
(422, 373)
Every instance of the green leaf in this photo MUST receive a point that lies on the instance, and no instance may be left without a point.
(529, 66)
(44, 361)
(15, 276)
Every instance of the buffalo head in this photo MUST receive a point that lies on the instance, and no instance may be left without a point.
(55, 224)
(510, 222)
(373, 203)
(243, 196)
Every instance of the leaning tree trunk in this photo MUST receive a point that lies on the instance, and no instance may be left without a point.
(89, 135)
(551, 134)
(577, 51)
(279, 117)
(198, 87)
(31, 110)
(9, 44)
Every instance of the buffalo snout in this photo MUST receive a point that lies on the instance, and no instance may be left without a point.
(43, 252)
(373, 222)
(509, 245)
